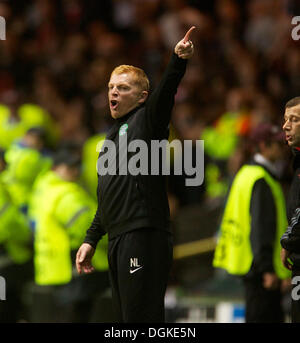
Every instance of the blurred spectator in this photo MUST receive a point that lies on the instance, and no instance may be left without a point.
(254, 218)
(187, 126)
(90, 153)
(61, 211)
(16, 118)
(26, 160)
(15, 254)
(221, 141)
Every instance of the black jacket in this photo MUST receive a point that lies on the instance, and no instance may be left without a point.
(263, 226)
(127, 202)
(290, 240)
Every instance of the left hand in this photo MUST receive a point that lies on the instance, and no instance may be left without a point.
(270, 281)
(284, 255)
(185, 48)
(84, 258)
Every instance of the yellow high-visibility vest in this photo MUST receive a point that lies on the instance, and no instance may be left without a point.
(15, 234)
(31, 115)
(64, 213)
(221, 140)
(24, 165)
(233, 252)
(90, 154)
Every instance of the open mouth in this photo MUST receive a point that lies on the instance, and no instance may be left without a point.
(113, 104)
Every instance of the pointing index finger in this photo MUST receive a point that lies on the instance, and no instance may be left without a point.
(187, 35)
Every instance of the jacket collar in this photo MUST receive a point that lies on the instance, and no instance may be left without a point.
(296, 153)
(123, 119)
(120, 121)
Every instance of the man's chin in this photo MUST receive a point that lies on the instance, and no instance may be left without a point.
(115, 114)
(293, 144)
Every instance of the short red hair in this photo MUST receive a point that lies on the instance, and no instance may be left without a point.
(139, 76)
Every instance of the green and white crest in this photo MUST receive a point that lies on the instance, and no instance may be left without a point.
(123, 129)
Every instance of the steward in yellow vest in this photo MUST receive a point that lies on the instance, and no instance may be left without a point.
(90, 154)
(15, 254)
(253, 222)
(16, 120)
(60, 211)
(26, 160)
(221, 141)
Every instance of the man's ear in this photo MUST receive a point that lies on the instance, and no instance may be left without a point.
(143, 97)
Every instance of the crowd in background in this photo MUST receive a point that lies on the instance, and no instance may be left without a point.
(58, 55)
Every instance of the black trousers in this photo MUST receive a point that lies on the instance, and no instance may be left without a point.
(139, 264)
(262, 305)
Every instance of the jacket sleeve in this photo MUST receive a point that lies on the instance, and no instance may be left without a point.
(160, 103)
(263, 227)
(290, 240)
(95, 231)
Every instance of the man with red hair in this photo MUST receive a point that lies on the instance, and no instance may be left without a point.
(133, 209)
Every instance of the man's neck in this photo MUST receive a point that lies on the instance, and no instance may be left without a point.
(127, 115)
